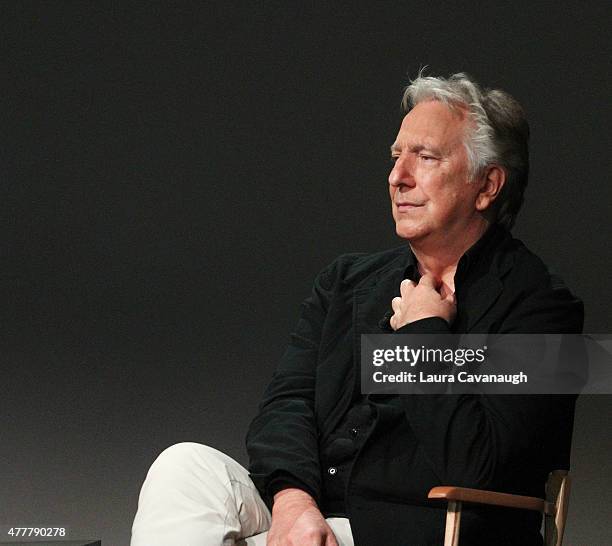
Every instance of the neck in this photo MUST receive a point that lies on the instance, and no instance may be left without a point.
(440, 258)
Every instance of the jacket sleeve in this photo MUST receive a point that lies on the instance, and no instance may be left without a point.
(481, 441)
(282, 441)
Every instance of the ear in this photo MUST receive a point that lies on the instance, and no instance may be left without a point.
(492, 181)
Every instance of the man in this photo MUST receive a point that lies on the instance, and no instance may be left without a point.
(338, 467)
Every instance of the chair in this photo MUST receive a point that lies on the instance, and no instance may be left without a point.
(554, 507)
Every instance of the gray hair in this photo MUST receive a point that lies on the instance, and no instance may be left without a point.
(499, 134)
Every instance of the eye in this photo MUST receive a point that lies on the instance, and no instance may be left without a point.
(394, 158)
(427, 158)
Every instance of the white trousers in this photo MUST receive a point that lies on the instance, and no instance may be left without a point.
(194, 495)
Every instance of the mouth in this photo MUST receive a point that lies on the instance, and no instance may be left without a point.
(404, 207)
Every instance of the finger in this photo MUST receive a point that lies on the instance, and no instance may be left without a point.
(405, 286)
(396, 304)
(331, 540)
(430, 281)
(393, 322)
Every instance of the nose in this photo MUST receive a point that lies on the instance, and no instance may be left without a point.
(402, 172)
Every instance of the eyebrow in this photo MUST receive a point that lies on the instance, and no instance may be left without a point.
(395, 147)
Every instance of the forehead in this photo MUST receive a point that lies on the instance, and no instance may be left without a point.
(432, 123)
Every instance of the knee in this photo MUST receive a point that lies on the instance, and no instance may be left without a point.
(187, 467)
(177, 452)
(185, 457)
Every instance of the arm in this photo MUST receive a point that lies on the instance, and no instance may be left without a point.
(480, 440)
(282, 441)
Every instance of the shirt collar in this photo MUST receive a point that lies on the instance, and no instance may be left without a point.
(488, 240)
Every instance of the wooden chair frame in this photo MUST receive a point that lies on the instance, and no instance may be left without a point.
(554, 507)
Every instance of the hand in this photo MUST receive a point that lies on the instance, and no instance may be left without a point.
(297, 521)
(429, 298)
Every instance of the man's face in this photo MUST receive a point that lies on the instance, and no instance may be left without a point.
(431, 194)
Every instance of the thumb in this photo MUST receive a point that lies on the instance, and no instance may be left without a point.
(430, 281)
(450, 298)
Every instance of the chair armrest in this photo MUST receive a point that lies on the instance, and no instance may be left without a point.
(480, 496)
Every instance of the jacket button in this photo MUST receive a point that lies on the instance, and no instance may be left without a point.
(354, 432)
(332, 470)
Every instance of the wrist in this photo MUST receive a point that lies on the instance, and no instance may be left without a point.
(290, 496)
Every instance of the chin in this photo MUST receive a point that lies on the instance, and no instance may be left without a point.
(406, 231)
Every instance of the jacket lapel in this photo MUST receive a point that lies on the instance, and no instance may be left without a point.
(479, 298)
(372, 309)
(476, 299)
(372, 303)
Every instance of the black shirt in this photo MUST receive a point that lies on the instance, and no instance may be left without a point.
(368, 411)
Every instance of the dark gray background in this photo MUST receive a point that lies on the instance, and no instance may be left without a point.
(173, 178)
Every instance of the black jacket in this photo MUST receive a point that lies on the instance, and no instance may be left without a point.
(502, 442)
